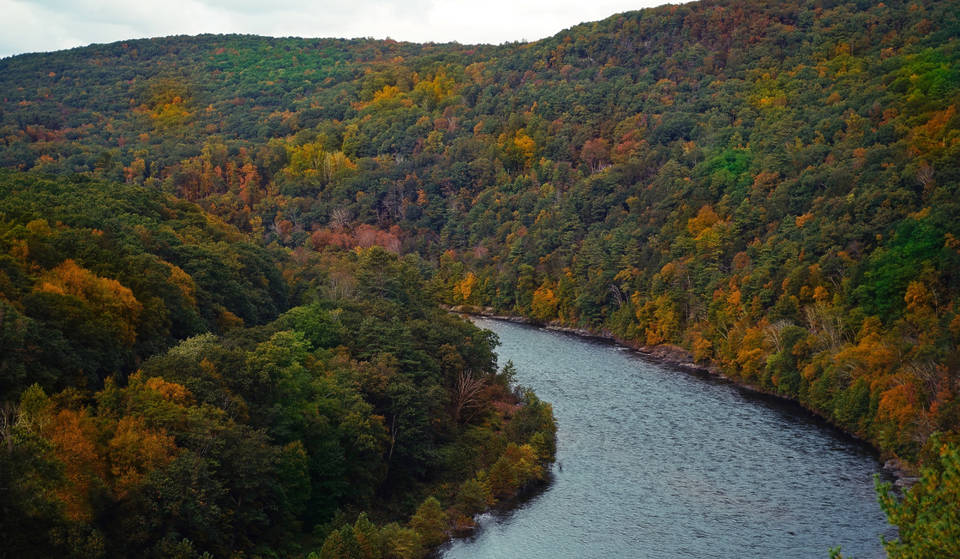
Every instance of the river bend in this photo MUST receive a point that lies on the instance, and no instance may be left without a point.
(658, 463)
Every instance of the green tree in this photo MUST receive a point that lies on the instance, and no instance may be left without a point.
(928, 515)
(430, 522)
(474, 497)
(401, 542)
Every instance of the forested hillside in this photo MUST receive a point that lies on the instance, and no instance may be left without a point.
(774, 186)
(161, 397)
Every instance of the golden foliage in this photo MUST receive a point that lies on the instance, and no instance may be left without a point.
(73, 434)
(183, 282)
(135, 450)
(104, 294)
(545, 302)
(705, 218)
(463, 290)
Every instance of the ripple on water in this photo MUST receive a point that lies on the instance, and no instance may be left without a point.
(660, 463)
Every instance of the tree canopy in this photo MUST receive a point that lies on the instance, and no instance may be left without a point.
(772, 187)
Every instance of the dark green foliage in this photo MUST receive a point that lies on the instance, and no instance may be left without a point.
(185, 271)
(474, 497)
(915, 246)
(236, 439)
(535, 417)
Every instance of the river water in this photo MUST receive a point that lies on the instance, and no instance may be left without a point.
(658, 463)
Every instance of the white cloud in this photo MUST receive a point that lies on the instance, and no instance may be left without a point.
(44, 25)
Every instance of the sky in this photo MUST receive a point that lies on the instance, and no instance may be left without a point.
(47, 25)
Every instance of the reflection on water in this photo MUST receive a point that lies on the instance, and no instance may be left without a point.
(657, 463)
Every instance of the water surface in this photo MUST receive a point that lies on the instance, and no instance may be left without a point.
(658, 463)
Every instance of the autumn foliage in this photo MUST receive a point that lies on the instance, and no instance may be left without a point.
(772, 186)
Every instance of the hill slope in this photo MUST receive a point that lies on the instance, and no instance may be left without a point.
(157, 400)
(773, 186)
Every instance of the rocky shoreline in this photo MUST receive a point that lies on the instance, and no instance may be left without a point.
(905, 475)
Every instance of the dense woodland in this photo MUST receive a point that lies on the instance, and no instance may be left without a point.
(773, 186)
(163, 398)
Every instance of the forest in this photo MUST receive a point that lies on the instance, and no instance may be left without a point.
(173, 390)
(772, 187)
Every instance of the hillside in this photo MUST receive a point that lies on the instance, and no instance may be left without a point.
(162, 398)
(772, 186)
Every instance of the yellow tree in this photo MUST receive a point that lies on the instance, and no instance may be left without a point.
(135, 450)
(544, 304)
(106, 295)
(463, 289)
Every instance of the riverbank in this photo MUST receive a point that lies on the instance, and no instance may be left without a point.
(653, 461)
(673, 355)
(904, 474)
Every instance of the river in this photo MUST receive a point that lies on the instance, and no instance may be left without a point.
(658, 463)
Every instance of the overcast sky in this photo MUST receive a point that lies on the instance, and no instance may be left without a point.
(45, 25)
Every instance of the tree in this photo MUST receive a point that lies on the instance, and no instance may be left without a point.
(503, 478)
(136, 450)
(928, 515)
(31, 477)
(595, 153)
(466, 396)
(369, 539)
(106, 295)
(474, 496)
(402, 543)
(430, 522)
(544, 304)
(333, 547)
